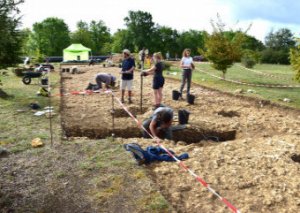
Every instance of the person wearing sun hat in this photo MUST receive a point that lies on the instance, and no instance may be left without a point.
(128, 66)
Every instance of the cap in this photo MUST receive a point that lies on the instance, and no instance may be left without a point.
(126, 51)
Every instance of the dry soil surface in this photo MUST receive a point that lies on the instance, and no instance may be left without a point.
(256, 167)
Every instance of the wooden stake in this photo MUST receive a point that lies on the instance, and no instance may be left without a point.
(50, 109)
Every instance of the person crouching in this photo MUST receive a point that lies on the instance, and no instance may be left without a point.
(108, 79)
(159, 124)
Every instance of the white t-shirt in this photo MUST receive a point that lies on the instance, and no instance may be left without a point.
(186, 61)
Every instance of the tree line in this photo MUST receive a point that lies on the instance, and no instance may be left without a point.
(222, 47)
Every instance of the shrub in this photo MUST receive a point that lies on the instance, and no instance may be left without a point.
(271, 56)
(167, 65)
(248, 61)
(295, 60)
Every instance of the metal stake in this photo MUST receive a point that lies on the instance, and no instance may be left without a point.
(141, 98)
(113, 115)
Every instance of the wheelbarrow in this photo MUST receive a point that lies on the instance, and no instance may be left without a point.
(29, 75)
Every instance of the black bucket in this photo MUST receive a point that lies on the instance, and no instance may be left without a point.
(175, 95)
(183, 116)
(190, 99)
(44, 81)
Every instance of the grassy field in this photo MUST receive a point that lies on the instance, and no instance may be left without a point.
(80, 175)
(18, 125)
(285, 77)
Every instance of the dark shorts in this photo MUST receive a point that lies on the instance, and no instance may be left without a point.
(158, 82)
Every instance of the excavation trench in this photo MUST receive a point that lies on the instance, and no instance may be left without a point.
(188, 134)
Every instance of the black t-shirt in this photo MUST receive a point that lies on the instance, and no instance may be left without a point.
(159, 70)
(127, 64)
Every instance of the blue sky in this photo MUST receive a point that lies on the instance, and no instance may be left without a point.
(264, 15)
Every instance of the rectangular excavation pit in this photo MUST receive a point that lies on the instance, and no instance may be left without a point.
(91, 116)
(195, 135)
(188, 135)
(121, 113)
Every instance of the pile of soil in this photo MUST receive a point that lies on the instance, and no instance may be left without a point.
(253, 169)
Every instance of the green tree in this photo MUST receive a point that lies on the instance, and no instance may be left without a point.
(140, 29)
(100, 37)
(282, 39)
(278, 46)
(94, 35)
(26, 36)
(11, 37)
(295, 59)
(223, 50)
(192, 39)
(82, 35)
(165, 40)
(121, 40)
(51, 36)
(251, 43)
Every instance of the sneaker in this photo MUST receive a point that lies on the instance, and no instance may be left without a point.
(122, 101)
(129, 101)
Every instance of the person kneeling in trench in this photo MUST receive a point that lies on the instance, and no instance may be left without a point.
(159, 123)
(108, 79)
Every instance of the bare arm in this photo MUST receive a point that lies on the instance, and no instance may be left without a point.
(152, 128)
(150, 71)
(131, 69)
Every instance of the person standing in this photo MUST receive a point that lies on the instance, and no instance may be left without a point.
(158, 79)
(187, 66)
(142, 55)
(167, 55)
(128, 66)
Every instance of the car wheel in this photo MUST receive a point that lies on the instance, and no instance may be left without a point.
(26, 80)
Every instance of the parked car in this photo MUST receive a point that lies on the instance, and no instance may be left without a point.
(198, 58)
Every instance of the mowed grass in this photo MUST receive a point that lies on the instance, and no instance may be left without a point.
(18, 124)
(285, 77)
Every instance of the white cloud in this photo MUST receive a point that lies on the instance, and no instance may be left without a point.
(181, 15)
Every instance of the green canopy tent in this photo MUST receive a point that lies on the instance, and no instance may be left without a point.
(76, 52)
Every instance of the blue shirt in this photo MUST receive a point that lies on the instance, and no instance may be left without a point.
(127, 64)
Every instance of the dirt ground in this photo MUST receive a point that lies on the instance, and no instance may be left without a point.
(80, 176)
(256, 167)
